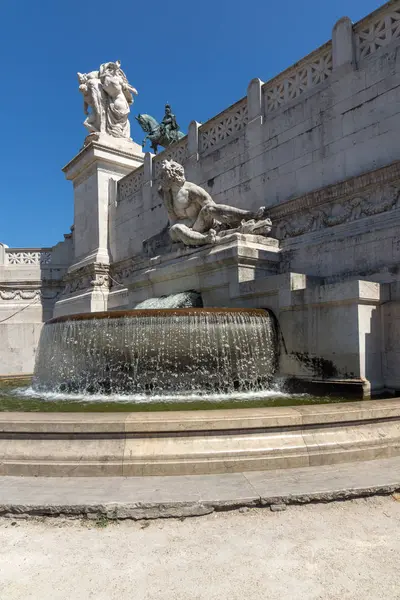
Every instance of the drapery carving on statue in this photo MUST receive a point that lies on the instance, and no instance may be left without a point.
(195, 219)
(109, 95)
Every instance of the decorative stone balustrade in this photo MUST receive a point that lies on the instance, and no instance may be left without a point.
(223, 126)
(177, 151)
(28, 256)
(350, 44)
(131, 184)
(377, 30)
(292, 83)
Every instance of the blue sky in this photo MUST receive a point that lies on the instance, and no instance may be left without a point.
(197, 56)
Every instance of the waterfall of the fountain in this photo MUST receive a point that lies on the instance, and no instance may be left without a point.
(158, 351)
(179, 300)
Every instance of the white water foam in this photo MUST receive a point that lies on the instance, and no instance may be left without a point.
(274, 392)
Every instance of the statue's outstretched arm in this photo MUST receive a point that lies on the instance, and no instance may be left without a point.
(132, 89)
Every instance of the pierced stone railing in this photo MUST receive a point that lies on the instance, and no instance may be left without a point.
(301, 77)
(349, 44)
(178, 151)
(28, 256)
(223, 126)
(131, 184)
(377, 30)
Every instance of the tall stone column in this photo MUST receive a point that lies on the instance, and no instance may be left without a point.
(101, 160)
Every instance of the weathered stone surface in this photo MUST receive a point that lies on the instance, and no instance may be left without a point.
(124, 498)
(318, 145)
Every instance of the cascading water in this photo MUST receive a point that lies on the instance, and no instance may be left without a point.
(181, 351)
(179, 300)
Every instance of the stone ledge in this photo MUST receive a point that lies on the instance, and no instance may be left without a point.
(136, 445)
(179, 497)
(179, 422)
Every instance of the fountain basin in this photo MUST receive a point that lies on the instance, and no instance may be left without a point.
(158, 351)
(182, 443)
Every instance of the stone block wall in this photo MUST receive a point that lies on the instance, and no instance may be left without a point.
(332, 116)
(30, 283)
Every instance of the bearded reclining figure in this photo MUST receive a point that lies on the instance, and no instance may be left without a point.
(195, 218)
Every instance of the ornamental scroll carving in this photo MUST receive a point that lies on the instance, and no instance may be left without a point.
(379, 200)
(25, 294)
(20, 294)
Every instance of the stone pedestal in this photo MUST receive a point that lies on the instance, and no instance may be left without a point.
(215, 271)
(330, 333)
(94, 172)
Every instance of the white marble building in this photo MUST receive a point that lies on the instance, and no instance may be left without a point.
(319, 146)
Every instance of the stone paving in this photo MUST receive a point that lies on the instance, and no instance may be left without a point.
(153, 497)
(336, 551)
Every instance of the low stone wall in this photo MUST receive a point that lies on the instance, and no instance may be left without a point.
(60, 444)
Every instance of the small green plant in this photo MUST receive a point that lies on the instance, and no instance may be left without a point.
(102, 521)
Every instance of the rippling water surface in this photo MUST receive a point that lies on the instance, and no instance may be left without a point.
(20, 396)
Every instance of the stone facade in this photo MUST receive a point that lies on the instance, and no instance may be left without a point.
(318, 145)
(30, 284)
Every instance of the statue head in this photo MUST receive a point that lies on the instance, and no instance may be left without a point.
(167, 109)
(172, 172)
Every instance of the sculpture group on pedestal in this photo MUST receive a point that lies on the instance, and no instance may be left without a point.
(195, 219)
(109, 95)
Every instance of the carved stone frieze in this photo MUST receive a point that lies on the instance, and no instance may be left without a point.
(20, 294)
(364, 196)
(121, 272)
(91, 277)
(26, 293)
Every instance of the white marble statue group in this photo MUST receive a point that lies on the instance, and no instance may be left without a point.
(109, 95)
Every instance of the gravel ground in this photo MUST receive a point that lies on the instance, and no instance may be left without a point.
(346, 550)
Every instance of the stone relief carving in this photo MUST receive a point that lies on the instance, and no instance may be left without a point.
(195, 219)
(93, 276)
(121, 273)
(25, 294)
(17, 294)
(378, 200)
(109, 95)
(28, 258)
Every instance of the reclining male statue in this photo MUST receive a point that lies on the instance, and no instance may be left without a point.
(195, 218)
